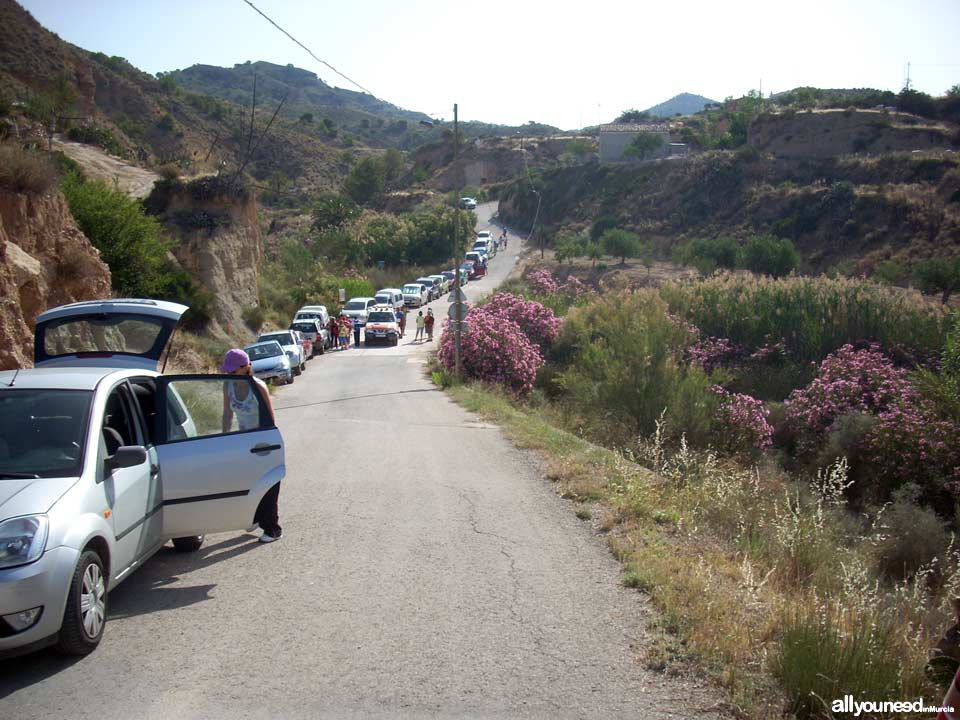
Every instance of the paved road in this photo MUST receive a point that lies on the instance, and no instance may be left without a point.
(426, 571)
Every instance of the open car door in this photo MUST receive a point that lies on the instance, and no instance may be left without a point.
(215, 467)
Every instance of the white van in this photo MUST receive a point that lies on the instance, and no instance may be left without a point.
(415, 294)
(392, 297)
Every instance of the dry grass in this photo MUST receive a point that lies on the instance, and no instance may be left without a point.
(765, 583)
(26, 171)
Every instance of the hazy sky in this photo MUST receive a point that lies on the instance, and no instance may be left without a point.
(510, 61)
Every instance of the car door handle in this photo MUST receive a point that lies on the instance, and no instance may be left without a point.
(154, 470)
(265, 448)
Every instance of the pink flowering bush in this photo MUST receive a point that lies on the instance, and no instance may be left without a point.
(712, 353)
(847, 381)
(542, 282)
(494, 349)
(912, 443)
(743, 421)
(537, 322)
(573, 286)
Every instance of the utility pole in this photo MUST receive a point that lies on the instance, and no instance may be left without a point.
(458, 320)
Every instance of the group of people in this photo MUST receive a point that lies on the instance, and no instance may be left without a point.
(340, 330)
(425, 325)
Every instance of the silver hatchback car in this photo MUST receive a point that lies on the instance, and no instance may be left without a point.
(103, 459)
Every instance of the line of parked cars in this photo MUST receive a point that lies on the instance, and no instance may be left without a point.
(281, 355)
(430, 287)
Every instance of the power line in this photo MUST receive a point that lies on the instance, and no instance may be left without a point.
(323, 62)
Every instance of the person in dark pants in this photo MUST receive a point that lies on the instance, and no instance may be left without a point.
(356, 333)
(242, 405)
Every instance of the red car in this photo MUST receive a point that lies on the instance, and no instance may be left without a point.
(473, 270)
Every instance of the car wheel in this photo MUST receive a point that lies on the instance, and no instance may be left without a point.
(86, 612)
(297, 370)
(188, 544)
(290, 375)
(322, 349)
(395, 341)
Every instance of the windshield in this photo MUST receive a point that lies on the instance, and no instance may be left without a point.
(412, 289)
(267, 350)
(384, 299)
(382, 317)
(42, 432)
(308, 316)
(305, 327)
(356, 305)
(282, 338)
(426, 281)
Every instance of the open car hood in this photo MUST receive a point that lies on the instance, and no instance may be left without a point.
(106, 333)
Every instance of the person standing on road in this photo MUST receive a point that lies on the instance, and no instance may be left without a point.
(402, 320)
(421, 323)
(334, 329)
(240, 402)
(344, 332)
(428, 323)
(356, 333)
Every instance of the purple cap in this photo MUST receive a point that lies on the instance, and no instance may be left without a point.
(234, 360)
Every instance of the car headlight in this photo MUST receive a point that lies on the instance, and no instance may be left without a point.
(23, 540)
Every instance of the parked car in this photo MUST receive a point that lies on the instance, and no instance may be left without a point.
(357, 308)
(291, 346)
(485, 246)
(433, 285)
(443, 281)
(305, 342)
(315, 331)
(468, 203)
(381, 325)
(270, 363)
(472, 268)
(313, 312)
(480, 259)
(103, 459)
(415, 295)
(451, 276)
(390, 296)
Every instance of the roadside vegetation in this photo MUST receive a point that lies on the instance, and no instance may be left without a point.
(776, 462)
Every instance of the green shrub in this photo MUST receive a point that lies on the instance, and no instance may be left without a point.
(26, 171)
(620, 356)
(166, 123)
(912, 536)
(254, 317)
(708, 254)
(767, 255)
(5, 105)
(129, 241)
(96, 135)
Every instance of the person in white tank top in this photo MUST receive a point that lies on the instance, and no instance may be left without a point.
(240, 402)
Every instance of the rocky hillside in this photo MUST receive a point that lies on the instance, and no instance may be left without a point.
(850, 212)
(45, 261)
(682, 104)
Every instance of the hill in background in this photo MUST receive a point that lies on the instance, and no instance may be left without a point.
(682, 104)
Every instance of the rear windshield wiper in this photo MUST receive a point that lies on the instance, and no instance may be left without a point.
(18, 476)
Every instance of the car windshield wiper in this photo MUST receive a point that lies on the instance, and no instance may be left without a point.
(18, 476)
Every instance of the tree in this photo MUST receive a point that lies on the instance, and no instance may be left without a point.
(568, 248)
(306, 118)
(632, 116)
(392, 164)
(366, 181)
(332, 211)
(580, 148)
(594, 251)
(621, 243)
(917, 103)
(646, 256)
(938, 276)
(167, 82)
(644, 145)
(767, 255)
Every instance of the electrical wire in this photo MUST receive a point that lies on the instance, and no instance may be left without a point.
(322, 62)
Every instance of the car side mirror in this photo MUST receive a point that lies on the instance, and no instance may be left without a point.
(125, 456)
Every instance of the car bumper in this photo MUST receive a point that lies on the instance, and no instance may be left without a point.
(280, 374)
(45, 584)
